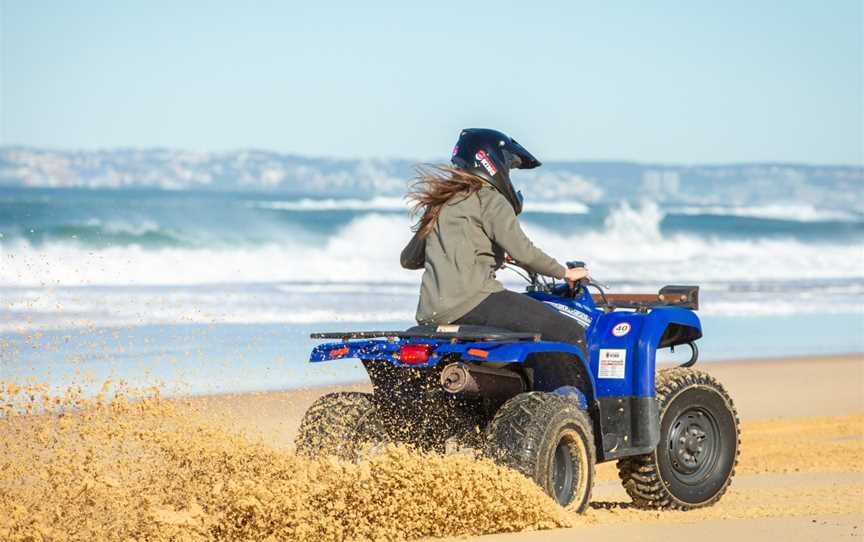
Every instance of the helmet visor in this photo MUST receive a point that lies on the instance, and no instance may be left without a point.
(526, 159)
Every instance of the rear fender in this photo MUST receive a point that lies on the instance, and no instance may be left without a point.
(517, 352)
(469, 352)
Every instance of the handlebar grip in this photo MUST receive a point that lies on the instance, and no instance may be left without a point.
(575, 263)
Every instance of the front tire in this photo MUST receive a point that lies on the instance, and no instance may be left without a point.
(339, 424)
(549, 439)
(700, 440)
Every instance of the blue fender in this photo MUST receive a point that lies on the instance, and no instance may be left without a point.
(638, 347)
(656, 323)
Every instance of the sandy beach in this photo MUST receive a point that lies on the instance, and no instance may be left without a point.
(184, 468)
(800, 476)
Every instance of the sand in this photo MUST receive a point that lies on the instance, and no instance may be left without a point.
(176, 470)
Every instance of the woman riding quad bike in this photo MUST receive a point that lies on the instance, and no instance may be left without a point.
(547, 382)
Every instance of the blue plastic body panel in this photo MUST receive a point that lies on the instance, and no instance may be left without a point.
(638, 344)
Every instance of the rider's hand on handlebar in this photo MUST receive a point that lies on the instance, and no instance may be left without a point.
(575, 274)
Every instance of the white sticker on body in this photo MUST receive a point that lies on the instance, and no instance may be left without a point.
(613, 363)
(583, 319)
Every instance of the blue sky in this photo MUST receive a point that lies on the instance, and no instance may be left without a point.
(666, 81)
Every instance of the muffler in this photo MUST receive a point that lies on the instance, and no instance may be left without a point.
(479, 381)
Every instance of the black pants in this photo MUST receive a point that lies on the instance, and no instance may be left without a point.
(518, 312)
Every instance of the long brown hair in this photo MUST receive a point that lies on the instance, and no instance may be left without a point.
(433, 187)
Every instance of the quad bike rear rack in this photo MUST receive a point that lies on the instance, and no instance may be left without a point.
(460, 334)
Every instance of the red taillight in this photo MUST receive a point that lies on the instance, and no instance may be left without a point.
(340, 352)
(414, 353)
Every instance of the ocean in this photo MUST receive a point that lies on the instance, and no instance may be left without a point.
(213, 291)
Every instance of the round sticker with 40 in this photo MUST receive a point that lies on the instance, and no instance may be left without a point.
(621, 329)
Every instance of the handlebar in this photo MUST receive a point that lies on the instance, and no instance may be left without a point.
(539, 283)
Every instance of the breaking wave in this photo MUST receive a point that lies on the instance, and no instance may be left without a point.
(630, 246)
(786, 212)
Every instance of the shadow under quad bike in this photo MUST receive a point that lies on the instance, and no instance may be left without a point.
(546, 409)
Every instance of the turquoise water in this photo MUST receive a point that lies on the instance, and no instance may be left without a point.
(213, 292)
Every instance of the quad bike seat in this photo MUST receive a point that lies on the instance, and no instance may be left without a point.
(474, 330)
(487, 333)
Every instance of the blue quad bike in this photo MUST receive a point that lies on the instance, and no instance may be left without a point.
(547, 409)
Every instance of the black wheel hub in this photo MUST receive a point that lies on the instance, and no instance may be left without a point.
(563, 473)
(693, 444)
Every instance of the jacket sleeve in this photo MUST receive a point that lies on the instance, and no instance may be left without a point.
(414, 254)
(502, 227)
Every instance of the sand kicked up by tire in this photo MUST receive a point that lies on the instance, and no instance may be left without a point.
(130, 466)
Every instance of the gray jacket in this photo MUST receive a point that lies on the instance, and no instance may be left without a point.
(463, 251)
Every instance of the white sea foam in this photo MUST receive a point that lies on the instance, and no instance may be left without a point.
(790, 212)
(556, 207)
(629, 247)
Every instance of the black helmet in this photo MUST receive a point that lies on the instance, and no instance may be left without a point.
(490, 154)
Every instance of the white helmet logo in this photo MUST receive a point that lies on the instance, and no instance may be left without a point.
(486, 162)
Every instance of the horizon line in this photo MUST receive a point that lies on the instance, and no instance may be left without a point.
(121, 148)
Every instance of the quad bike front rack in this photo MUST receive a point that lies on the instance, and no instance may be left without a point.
(686, 297)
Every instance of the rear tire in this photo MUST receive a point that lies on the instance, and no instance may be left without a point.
(339, 424)
(700, 440)
(549, 439)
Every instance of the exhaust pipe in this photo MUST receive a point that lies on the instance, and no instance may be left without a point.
(475, 380)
